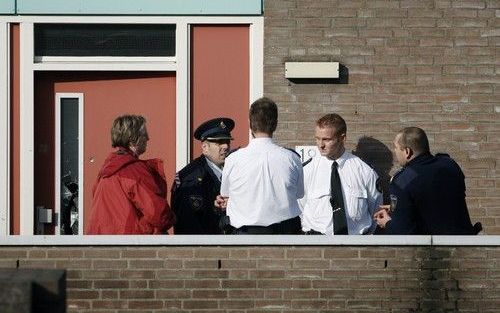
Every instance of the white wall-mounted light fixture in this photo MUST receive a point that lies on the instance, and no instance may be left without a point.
(311, 70)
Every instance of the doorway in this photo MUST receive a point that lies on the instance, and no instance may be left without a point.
(102, 97)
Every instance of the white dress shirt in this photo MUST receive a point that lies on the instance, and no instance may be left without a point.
(263, 182)
(359, 188)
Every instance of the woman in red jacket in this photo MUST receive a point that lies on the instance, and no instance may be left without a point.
(129, 196)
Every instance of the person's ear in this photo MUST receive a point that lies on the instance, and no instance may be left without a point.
(408, 153)
(204, 146)
(343, 137)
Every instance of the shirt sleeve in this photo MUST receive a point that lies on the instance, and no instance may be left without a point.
(403, 219)
(374, 197)
(225, 181)
(300, 177)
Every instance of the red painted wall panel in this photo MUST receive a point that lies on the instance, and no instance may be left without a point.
(220, 76)
(15, 211)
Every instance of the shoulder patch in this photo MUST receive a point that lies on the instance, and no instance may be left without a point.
(196, 202)
(176, 183)
(394, 203)
(307, 162)
(177, 179)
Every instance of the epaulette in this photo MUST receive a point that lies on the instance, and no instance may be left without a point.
(307, 162)
(438, 155)
(397, 173)
(193, 165)
(290, 149)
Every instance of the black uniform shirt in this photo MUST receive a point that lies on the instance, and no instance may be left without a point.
(193, 197)
(429, 198)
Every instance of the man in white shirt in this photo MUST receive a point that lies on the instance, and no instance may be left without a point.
(341, 191)
(262, 182)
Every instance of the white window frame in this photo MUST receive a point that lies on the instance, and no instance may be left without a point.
(179, 64)
(5, 130)
(81, 137)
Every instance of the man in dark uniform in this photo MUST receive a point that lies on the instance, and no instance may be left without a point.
(427, 194)
(198, 183)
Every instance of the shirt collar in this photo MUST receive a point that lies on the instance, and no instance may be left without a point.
(262, 140)
(341, 160)
(217, 170)
(419, 158)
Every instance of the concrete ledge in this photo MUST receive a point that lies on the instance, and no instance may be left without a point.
(251, 240)
(484, 240)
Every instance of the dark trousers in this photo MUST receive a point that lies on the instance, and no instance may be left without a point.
(312, 232)
(287, 227)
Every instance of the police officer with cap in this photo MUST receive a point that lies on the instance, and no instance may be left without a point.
(198, 183)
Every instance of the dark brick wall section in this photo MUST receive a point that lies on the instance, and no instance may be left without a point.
(276, 279)
(24, 290)
(432, 64)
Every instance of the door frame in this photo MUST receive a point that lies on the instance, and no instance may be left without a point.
(5, 130)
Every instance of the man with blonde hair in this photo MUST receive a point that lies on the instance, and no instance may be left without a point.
(341, 191)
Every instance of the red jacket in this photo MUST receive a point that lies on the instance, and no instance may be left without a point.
(129, 197)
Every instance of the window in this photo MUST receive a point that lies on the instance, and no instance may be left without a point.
(69, 163)
(130, 40)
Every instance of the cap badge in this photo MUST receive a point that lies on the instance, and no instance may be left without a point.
(222, 125)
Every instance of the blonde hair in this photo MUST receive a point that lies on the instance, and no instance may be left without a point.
(334, 121)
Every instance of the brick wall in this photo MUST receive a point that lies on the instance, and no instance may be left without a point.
(271, 279)
(432, 64)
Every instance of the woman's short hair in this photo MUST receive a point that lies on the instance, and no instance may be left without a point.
(263, 116)
(126, 130)
(334, 121)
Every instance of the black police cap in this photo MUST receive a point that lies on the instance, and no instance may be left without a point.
(215, 129)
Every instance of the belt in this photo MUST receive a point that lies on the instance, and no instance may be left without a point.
(312, 232)
(289, 226)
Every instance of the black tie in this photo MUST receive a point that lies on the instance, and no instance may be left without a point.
(337, 202)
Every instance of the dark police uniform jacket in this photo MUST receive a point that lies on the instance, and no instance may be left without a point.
(193, 196)
(428, 197)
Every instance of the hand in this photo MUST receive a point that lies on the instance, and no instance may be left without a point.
(221, 202)
(386, 207)
(381, 217)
